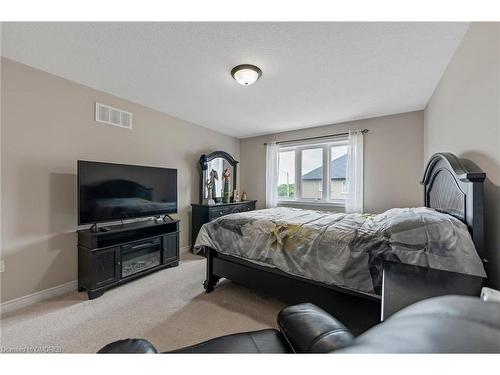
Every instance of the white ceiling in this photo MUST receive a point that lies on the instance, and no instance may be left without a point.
(313, 73)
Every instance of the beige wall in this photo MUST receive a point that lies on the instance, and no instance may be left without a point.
(392, 159)
(47, 125)
(463, 117)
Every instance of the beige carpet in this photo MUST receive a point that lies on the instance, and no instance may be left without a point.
(169, 308)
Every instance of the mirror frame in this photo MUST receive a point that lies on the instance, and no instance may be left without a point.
(205, 159)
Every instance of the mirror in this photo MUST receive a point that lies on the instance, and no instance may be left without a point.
(219, 165)
(213, 179)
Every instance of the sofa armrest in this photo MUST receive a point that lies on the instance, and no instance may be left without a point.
(129, 346)
(309, 329)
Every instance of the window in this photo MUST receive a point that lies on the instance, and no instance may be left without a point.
(313, 173)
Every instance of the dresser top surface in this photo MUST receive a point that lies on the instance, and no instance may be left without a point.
(222, 204)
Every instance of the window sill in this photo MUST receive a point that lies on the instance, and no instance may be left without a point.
(311, 204)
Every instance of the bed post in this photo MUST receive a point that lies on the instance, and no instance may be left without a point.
(211, 279)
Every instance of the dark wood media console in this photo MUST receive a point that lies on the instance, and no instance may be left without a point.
(120, 253)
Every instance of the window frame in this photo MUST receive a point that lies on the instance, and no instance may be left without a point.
(326, 199)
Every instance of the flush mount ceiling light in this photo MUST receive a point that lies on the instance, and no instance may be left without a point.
(246, 74)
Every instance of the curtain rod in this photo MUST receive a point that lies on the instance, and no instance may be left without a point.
(318, 137)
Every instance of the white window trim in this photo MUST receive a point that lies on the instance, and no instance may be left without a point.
(298, 200)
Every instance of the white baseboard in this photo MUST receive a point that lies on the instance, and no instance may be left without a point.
(17, 303)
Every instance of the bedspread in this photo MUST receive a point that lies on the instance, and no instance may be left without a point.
(347, 250)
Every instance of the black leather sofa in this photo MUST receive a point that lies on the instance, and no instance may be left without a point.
(449, 324)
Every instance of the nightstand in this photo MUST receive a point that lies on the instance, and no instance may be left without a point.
(403, 285)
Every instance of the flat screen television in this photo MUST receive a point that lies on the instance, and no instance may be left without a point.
(111, 192)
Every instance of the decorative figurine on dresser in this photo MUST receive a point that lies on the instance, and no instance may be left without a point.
(225, 193)
(215, 194)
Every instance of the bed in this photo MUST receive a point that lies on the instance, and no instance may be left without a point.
(453, 189)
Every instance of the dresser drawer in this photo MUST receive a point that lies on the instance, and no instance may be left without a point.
(216, 212)
(247, 207)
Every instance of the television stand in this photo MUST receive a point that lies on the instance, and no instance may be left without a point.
(124, 252)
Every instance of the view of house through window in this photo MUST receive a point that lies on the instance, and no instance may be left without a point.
(338, 174)
(313, 173)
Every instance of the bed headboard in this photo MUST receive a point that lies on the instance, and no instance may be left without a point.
(455, 189)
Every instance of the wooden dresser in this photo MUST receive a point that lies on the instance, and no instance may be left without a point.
(203, 213)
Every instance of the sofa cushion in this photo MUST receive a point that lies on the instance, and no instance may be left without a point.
(310, 329)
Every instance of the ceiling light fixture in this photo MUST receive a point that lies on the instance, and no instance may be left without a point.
(246, 74)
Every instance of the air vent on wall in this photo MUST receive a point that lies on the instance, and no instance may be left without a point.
(113, 116)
